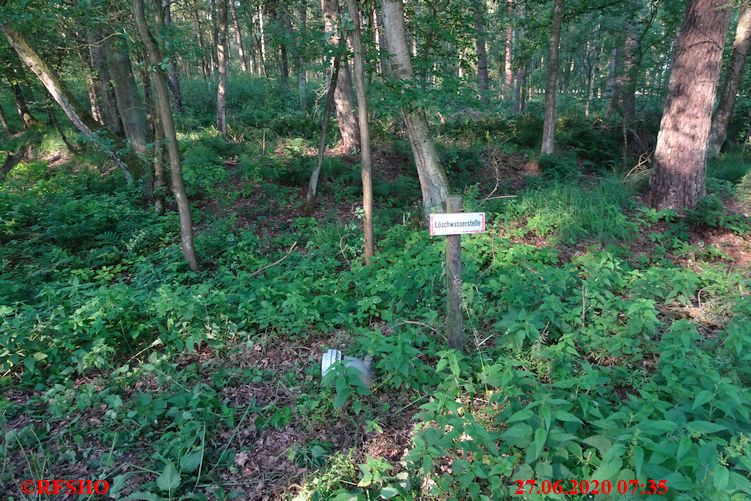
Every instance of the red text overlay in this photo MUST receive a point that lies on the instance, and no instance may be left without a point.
(58, 486)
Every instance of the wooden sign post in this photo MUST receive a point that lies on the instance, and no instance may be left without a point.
(453, 224)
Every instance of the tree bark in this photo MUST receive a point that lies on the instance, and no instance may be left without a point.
(239, 39)
(483, 80)
(680, 157)
(130, 105)
(345, 115)
(174, 79)
(221, 58)
(27, 118)
(168, 126)
(332, 80)
(433, 181)
(508, 47)
(302, 80)
(729, 91)
(110, 116)
(362, 114)
(80, 118)
(551, 82)
(261, 39)
(4, 121)
(91, 87)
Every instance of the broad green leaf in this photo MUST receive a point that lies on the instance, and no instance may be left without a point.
(702, 427)
(190, 462)
(169, 479)
(389, 492)
(638, 460)
(702, 398)
(567, 417)
(521, 415)
(720, 477)
(683, 447)
(519, 434)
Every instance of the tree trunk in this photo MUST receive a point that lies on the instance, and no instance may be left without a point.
(261, 39)
(168, 126)
(680, 157)
(91, 87)
(433, 181)
(27, 118)
(483, 81)
(551, 82)
(174, 79)
(110, 116)
(362, 114)
(4, 121)
(221, 58)
(345, 115)
(239, 38)
(332, 80)
(507, 69)
(732, 79)
(80, 118)
(130, 105)
(302, 80)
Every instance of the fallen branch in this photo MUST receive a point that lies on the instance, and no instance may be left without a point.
(262, 268)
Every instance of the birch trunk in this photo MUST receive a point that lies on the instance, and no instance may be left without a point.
(551, 83)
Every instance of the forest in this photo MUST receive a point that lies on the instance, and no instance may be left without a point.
(231, 265)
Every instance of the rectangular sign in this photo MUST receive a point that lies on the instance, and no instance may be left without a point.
(460, 223)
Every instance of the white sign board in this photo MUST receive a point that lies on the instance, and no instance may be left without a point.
(460, 223)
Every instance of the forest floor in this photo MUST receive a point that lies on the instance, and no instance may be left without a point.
(606, 340)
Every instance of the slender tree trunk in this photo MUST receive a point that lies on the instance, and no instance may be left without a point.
(433, 181)
(345, 115)
(239, 38)
(168, 126)
(262, 40)
(732, 80)
(27, 118)
(362, 113)
(174, 79)
(508, 83)
(283, 46)
(221, 58)
(80, 118)
(613, 90)
(332, 80)
(302, 80)
(205, 65)
(551, 82)
(91, 88)
(680, 157)
(483, 80)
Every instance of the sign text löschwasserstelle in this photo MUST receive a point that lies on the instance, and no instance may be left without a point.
(460, 223)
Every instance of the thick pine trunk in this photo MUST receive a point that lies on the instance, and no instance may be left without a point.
(483, 81)
(221, 58)
(433, 181)
(80, 118)
(168, 126)
(680, 157)
(345, 115)
(551, 82)
(362, 114)
(729, 91)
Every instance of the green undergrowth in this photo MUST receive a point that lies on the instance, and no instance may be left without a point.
(594, 364)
